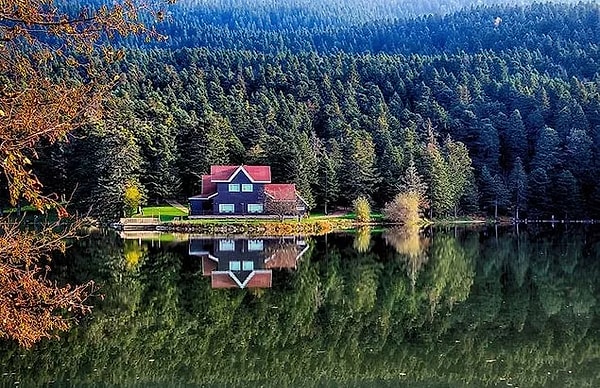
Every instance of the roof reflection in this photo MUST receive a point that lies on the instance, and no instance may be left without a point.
(233, 262)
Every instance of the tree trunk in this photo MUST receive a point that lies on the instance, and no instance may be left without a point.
(496, 209)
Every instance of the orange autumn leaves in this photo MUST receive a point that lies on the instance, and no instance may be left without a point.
(31, 305)
(37, 105)
(42, 102)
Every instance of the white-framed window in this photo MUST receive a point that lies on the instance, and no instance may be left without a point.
(247, 188)
(226, 245)
(235, 266)
(247, 266)
(226, 208)
(255, 208)
(255, 245)
(234, 187)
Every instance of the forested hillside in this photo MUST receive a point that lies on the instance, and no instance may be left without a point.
(496, 105)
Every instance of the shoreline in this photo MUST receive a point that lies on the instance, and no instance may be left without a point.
(305, 227)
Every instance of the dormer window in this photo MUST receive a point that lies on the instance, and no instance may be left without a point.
(234, 187)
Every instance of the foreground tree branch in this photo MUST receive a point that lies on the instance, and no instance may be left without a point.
(32, 306)
(40, 104)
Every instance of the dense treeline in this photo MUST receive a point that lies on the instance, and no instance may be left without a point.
(541, 26)
(506, 129)
(454, 307)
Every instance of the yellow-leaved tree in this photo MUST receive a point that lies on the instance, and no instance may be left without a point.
(37, 105)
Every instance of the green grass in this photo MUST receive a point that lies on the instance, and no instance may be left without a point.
(165, 213)
(30, 214)
(27, 208)
(352, 216)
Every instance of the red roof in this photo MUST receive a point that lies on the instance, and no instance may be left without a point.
(259, 173)
(208, 266)
(208, 187)
(281, 191)
(222, 280)
(222, 173)
(256, 173)
(226, 173)
(260, 279)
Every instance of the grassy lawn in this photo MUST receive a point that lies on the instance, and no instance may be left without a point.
(169, 213)
(165, 213)
(30, 214)
(346, 216)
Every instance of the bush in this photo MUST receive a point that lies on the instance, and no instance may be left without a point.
(132, 198)
(404, 209)
(362, 209)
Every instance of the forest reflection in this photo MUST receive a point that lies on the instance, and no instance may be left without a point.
(454, 307)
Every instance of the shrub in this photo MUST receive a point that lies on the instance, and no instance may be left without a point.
(132, 198)
(362, 209)
(404, 209)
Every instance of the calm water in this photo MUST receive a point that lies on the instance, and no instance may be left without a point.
(444, 308)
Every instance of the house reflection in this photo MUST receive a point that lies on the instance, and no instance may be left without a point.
(246, 262)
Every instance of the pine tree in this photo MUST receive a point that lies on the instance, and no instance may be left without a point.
(518, 186)
(539, 193)
(547, 154)
(494, 194)
(438, 179)
(515, 138)
(358, 174)
(460, 171)
(566, 196)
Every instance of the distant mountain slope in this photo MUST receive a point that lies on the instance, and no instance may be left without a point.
(537, 26)
(283, 14)
(348, 108)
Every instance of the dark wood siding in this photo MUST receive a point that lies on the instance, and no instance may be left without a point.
(196, 207)
(240, 253)
(200, 207)
(239, 200)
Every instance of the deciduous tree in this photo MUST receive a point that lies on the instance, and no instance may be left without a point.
(36, 105)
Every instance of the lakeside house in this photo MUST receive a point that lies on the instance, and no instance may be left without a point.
(245, 191)
(246, 263)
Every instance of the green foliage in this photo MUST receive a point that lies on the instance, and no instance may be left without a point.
(132, 198)
(449, 173)
(341, 111)
(362, 209)
(404, 209)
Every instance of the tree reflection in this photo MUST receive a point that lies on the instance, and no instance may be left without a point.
(133, 254)
(412, 246)
(452, 271)
(342, 317)
(362, 240)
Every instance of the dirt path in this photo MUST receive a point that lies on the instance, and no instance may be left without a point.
(177, 205)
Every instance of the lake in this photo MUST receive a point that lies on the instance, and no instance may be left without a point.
(445, 307)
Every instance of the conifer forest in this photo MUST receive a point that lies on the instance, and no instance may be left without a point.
(497, 105)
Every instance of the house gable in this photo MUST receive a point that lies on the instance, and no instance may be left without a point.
(237, 201)
(255, 174)
(256, 279)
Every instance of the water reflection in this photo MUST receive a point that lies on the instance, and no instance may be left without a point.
(446, 307)
(411, 244)
(362, 239)
(233, 262)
